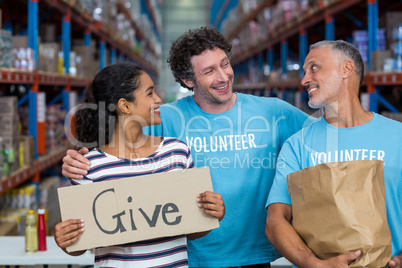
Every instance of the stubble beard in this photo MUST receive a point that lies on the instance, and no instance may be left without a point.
(208, 94)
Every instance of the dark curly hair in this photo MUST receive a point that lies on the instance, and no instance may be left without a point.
(96, 119)
(190, 44)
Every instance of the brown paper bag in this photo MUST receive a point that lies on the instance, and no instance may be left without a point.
(340, 207)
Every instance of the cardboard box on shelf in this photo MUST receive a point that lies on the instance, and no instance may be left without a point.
(19, 41)
(84, 67)
(8, 105)
(8, 228)
(11, 141)
(378, 58)
(48, 57)
(389, 21)
(28, 149)
(80, 43)
(47, 32)
(9, 123)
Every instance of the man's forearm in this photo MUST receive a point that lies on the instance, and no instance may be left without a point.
(285, 239)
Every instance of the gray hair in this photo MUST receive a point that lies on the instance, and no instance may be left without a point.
(346, 49)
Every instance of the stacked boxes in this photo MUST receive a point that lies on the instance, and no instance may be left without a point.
(9, 131)
(85, 58)
(3, 160)
(6, 55)
(391, 22)
(47, 32)
(55, 134)
(23, 56)
(27, 150)
(85, 5)
(360, 40)
(396, 45)
(48, 57)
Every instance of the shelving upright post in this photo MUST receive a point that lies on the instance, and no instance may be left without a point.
(122, 58)
(36, 129)
(251, 66)
(284, 56)
(303, 50)
(245, 69)
(372, 21)
(87, 40)
(102, 53)
(270, 58)
(260, 65)
(66, 39)
(66, 45)
(112, 55)
(33, 19)
(329, 27)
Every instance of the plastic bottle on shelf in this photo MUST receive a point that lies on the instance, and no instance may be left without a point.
(41, 229)
(31, 233)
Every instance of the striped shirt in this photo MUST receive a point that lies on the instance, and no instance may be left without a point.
(172, 154)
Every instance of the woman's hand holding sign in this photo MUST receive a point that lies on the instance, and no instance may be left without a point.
(212, 203)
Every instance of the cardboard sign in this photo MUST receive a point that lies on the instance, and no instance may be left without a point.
(140, 208)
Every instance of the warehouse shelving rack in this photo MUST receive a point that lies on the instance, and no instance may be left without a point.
(298, 27)
(36, 81)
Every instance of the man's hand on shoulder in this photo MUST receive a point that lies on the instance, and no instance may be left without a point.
(75, 165)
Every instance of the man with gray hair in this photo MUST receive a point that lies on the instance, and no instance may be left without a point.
(333, 73)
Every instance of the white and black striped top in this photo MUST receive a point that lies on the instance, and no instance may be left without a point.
(172, 154)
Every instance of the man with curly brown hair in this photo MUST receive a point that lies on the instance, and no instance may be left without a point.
(237, 135)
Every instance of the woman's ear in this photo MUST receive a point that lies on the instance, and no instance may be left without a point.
(124, 106)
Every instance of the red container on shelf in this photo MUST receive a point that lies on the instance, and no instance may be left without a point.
(41, 229)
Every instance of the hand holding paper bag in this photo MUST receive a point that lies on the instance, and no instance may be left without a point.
(340, 207)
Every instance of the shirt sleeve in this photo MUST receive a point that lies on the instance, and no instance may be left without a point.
(291, 120)
(286, 164)
(190, 163)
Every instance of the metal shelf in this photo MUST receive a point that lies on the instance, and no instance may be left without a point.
(249, 17)
(327, 12)
(25, 173)
(384, 79)
(102, 31)
(371, 79)
(283, 83)
(15, 76)
(288, 29)
(138, 31)
(153, 16)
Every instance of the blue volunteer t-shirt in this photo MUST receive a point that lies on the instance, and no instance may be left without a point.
(241, 147)
(379, 139)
